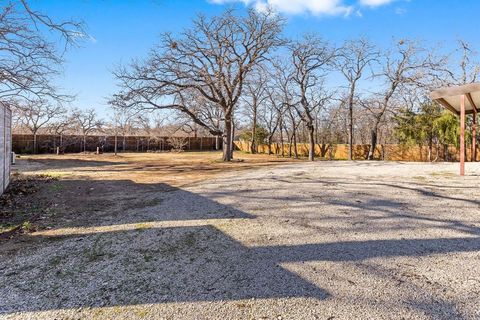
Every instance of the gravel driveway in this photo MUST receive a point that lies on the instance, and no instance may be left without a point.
(323, 240)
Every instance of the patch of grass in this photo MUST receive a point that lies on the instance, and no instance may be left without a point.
(147, 254)
(190, 239)
(94, 253)
(56, 187)
(5, 227)
(49, 175)
(27, 226)
(421, 178)
(152, 202)
(442, 174)
(55, 261)
(186, 242)
(141, 313)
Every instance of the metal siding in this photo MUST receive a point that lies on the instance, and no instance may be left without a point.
(2, 147)
(5, 146)
(8, 145)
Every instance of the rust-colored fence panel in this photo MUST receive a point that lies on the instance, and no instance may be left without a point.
(24, 143)
(391, 152)
(5, 146)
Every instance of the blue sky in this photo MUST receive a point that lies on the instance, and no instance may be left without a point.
(125, 29)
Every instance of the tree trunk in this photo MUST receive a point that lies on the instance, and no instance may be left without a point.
(34, 142)
(253, 147)
(116, 143)
(54, 142)
(294, 138)
(350, 131)
(290, 143)
(84, 143)
(295, 149)
(232, 144)
(430, 150)
(217, 142)
(311, 140)
(227, 136)
(281, 138)
(373, 144)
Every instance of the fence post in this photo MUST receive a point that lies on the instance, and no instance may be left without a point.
(201, 144)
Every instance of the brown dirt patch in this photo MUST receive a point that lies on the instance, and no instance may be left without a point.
(175, 169)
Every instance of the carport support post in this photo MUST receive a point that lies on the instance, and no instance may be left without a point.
(462, 135)
(474, 135)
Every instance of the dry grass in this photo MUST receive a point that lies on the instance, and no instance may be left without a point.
(176, 169)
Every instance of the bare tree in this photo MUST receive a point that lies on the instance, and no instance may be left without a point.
(463, 66)
(281, 88)
(29, 59)
(255, 95)
(469, 67)
(273, 110)
(124, 120)
(354, 57)
(178, 143)
(58, 128)
(310, 58)
(212, 60)
(37, 114)
(86, 122)
(409, 65)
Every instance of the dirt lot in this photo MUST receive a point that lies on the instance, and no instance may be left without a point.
(184, 236)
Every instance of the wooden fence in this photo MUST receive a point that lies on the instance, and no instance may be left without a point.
(24, 143)
(5, 146)
(390, 152)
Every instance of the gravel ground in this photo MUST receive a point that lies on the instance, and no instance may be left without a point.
(323, 240)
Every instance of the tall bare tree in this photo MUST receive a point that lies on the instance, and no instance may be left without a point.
(311, 57)
(354, 57)
(254, 96)
(212, 60)
(408, 65)
(272, 113)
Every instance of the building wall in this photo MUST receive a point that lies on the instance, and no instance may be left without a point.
(5, 146)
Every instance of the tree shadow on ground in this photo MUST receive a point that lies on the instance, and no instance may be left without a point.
(180, 264)
(91, 203)
(124, 254)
